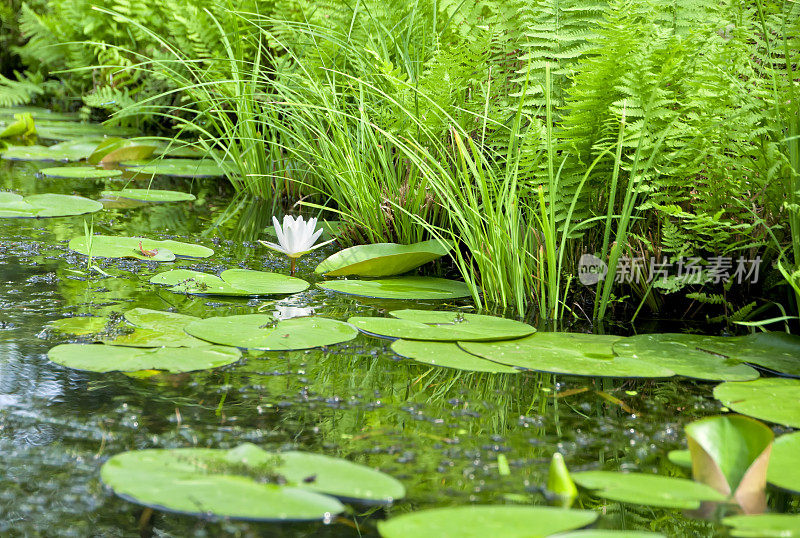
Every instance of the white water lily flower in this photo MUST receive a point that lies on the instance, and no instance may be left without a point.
(296, 237)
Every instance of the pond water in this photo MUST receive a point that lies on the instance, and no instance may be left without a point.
(438, 431)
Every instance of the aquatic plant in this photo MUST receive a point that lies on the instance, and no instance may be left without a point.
(295, 238)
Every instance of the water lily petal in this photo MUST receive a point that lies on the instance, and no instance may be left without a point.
(273, 246)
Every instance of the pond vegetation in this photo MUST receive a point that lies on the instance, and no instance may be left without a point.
(455, 268)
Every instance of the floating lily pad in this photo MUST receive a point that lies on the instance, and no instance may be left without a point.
(682, 354)
(484, 521)
(45, 205)
(79, 172)
(245, 482)
(158, 319)
(65, 151)
(80, 326)
(62, 130)
(103, 358)
(775, 351)
(566, 353)
(764, 525)
(784, 463)
(647, 489)
(109, 246)
(442, 326)
(114, 150)
(381, 259)
(150, 195)
(408, 287)
(771, 399)
(176, 168)
(258, 331)
(155, 328)
(38, 113)
(448, 355)
(233, 282)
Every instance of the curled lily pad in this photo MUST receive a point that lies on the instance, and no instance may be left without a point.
(258, 331)
(483, 521)
(140, 248)
(442, 326)
(233, 282)
(771, 399)
(647, 489)
(408, 287)
(684, 354)
(245, 482)
(764, 525)
(45, 205)
(114, 150)
(176, 168)
(784, 463)
(448, 355)
(381, 259)
(566, 353)
(80, 325)
(150, 195)
(79, 172)
(103, 358)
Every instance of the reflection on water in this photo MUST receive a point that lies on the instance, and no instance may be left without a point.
(439, 431)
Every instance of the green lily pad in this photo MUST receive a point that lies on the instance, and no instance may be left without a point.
(566, 353)
(66, 151)
(23, 127)
(775, 351)
(114, 150)
(406, 287)
(109, 246)
(176, 168)
(45, 205)
(784, 463)
(38, 113)
(150, 195)
(681, 458)
(155, 328)
(158, 319)
(63, 130)
(448, 355)
(80, 325)
(232, 282)
(771, 399)
(684, 355)
(442, 326)
(258, 331)
(647, 489)
(79, 172)
(381, 259)
(103, 358)
(604, 533)
(245, 482)
(764, 525)
(484, 521)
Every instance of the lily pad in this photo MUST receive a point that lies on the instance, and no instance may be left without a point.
(245, 482)
(150, 195)
(484, 521)
(79, 172)
(109, 246)
(258, 331)
(45, 205)
(407, 287)
(442, 326)
(66, 151)
(566, 353)
(684, 355)
(103, 358)
(114, 150)
(158, 319)
(38, 113)
(605, 533)
(764, 525)
(63, 130)
(647, 489)
(232, 282)
(381, 259)
(784, 463)
(448, 355)
(176, 168)
(775, 351)
(80, 325)
(155, 328)
(771, 399)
